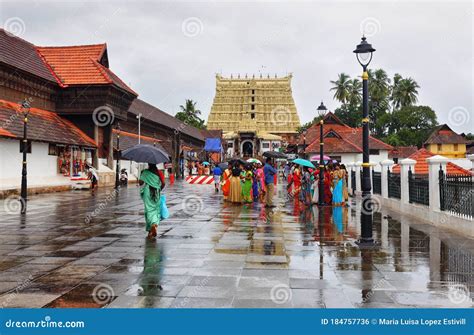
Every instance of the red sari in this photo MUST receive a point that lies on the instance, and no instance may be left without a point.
(226, 183)
(327, 188)
(296, 182)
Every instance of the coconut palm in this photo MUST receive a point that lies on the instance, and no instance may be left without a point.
(404, 92)
(341, 88)
(379, 85)
(354, 92)
(189, 114)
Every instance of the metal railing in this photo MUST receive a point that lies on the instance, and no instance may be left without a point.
(376, 182)
(394, 188)
(418, 188)
(457, 194)
(353, 181)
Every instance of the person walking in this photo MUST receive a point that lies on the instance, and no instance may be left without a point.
(247, 184)
(226, 176)
(337, 193)
(269, 172)
(150, 193)
(217, 173)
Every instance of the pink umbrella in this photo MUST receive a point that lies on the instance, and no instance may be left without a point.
(315, 158)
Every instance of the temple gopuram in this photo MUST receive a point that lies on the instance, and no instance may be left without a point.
(255, 114)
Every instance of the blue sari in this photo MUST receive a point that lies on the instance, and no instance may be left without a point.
(337, 194)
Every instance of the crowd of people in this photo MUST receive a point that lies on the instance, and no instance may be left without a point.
(303, 184)
(243, 182)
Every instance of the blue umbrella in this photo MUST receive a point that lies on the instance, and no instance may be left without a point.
(146, 153)
(304, 162)
(206, 163)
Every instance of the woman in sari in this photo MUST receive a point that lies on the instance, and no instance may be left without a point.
(226, 182)
(345, 193)
(296, 182)
(315, 196)
(255, 186)
(337, 196)
(261, 181)
(235, 194)
(327, 187)
(150, 194)
(247, 184)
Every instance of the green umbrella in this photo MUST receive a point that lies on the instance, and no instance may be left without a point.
(304, 162)
(253, 160)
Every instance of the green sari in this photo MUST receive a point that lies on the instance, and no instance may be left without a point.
(247, 187)
(152, 205)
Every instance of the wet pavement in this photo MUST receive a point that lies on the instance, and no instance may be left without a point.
(74, 249)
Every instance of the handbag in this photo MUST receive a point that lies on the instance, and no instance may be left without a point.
(164, 212)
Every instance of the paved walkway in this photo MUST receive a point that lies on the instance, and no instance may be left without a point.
(74, 249)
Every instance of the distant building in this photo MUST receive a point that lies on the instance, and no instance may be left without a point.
(255, 114)
(341, 142)
(445, 142)
(401, 152)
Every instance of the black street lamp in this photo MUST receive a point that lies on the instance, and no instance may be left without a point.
(321, 112)
(364, 53)
(25, 108)
(304, 142)
(117, 166)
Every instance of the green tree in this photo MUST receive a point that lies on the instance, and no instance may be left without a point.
(189, 114)
(379, 93)
(411, 125)
(341, 88)
(404, 92)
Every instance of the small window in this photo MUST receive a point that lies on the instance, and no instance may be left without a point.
(52, 149)
(28, 146)
(253, 99)
(253, 91)
(265, 145)
(374, 151)
(253, 107)
(456, 147)
(230, 145)
(252, 115)
(439, 147)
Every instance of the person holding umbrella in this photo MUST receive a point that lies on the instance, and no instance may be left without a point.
(151, 181)
(269, 172)
(150, 194)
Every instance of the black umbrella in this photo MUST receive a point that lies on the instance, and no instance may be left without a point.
(274, 154)
(237, 161)
(146, 153)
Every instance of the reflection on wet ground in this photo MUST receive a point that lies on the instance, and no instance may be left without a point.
(74, 249)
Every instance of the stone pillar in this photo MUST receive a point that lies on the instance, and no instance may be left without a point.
(110, 152)
(95, 158)
(434, 164)
(404, 240)
(358, 176)
(405, 165)
(385, 165)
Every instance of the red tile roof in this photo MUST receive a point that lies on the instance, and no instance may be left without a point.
(22, 55)
(349, 139)
(402, 152)
(444, 134)
(81, 65)
(421, 166)
(43, 126)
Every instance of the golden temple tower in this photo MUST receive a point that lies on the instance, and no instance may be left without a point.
(255, 114)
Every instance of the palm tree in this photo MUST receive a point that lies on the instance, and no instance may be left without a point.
(189, 114)
(404, 92)
(379, 85)
(354, 92)
(341, 88)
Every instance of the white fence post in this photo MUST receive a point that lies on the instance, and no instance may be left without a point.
(405, 165)
(385, 165)
(434, 164)
(358, 180)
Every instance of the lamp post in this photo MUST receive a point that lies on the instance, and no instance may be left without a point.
(139, 117)
(364, 52)
(25, 108)
(321, 112)
(117, 166)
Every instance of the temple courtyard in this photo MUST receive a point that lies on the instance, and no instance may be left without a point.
(78, 249)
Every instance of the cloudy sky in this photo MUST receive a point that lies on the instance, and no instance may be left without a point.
(169, 51)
